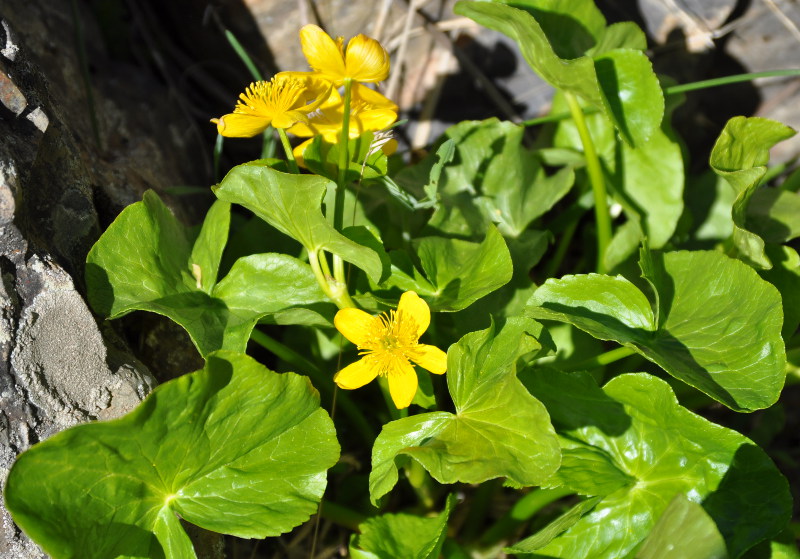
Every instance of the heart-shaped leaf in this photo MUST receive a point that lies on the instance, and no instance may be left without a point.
(462, 272)
(482, 440)
(620, 82)
(167, 272)
(636, 425)
(717, 326)
(293, 205)
(233, 448)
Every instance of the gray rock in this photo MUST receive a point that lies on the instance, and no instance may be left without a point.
(58, 366)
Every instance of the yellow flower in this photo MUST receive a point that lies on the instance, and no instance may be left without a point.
(369, 112)
(280, 102)
(388, 344)
(364, 59)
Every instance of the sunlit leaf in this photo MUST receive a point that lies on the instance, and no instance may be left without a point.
(481, 440)
(163, 273)
(684, 530)
(402, 536)
(636, 424)
(233, 448)
(718, 325)
(620, 82)
(740, 156)
(292, 204)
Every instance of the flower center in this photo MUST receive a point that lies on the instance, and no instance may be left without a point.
(273, 97)
(392, 340)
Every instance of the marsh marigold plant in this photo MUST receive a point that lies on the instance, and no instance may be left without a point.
(388, 345)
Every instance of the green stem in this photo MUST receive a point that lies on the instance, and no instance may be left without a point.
(217, 155)
(321, 380)
(335, 290)
(479, 506)
(595, 171)
(561, 249)
(601, 360)
(341, 182)
(422, 484)
(522, 511)
(341, 515)
(344, 158)
(322, 278)
(323, 262)
(716, 82)
(268, 143)
(287, 147)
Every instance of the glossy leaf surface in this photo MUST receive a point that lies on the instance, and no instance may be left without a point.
(740, 155)
(717, 324)
(481, 440)
(233, 448)
(169, 273)
(636, 425)
(402, 536)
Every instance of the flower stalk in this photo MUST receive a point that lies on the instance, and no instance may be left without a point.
(595, 172)
(287, 147)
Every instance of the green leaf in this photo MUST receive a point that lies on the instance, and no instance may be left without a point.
(719, 323)
(444, 155)
(402, 536)
(155, 274)
(631, 94)
(462, 272)
(636, 421)
(684, 530)
(482, 440)
(365, 160)
(547, 534)
(510, 300)
(785, 275)
(621, 35)
(588, 471)
(740, 156)
(492, 178)
(515, 188)
(292, 204)
(652, 202)
(572, 27)
(621, 82)
(774, 215)
(209, 245)
(784, 546)
(233, 448)
(121, 273)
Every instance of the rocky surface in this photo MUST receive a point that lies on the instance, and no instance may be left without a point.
(67, 167)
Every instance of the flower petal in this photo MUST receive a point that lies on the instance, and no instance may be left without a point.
(366, 60)
(430, 358)
(372, 120)
(412, 307)
(235, 125)
(323, 53)
(356, 375)
(354, 324)
(403, 383)
(370, 97)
